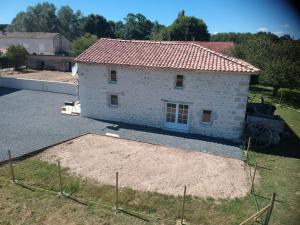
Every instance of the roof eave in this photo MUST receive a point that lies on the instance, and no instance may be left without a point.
(157, 67)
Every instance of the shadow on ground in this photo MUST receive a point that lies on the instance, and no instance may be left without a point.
(289, 145)
(119, 125)
(6, 91)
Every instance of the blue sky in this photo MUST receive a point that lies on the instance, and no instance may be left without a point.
(276, 16)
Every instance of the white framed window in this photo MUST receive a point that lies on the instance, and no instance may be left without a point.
(113, 76)
(179, 81)
(206, 116)
(114, 100)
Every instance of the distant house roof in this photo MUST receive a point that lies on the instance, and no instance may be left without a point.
(172, 55)
(33, 35)
(215, 46)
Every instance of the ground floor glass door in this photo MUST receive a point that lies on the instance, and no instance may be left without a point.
(176, 116)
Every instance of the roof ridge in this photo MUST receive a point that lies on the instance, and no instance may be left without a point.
(187, 55)
(147, 41)
(232, 59)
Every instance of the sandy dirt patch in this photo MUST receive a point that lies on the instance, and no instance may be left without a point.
(41, 75)
(148, 167)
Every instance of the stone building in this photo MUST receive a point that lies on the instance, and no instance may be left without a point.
(39, 43)
(177, 86)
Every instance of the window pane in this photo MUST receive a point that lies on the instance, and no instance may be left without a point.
(179, 81)
(206, 117)
(113, 75)
(114, 99)
(183, 114)
(171, 113)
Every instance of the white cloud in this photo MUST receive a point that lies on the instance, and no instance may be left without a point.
(286, 25)
(262, 29)
(216, 32)
(278, 33)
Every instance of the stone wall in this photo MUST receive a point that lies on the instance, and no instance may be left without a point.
(39, 85)
(143, 94)
(33, 46)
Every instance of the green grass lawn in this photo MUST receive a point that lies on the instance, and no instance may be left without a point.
(279, 171)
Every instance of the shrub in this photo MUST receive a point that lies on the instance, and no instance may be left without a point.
(3, 61)
(17, 56)
(80, 44)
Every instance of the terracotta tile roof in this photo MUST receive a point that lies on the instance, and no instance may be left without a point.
(215, 46)
(172, 55)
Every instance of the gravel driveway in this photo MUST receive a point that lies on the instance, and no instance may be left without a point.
(31, 120)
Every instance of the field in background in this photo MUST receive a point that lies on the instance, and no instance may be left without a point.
(278, 169)
(41, 75)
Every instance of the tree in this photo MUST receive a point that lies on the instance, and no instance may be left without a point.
(98, 25)
(188, 28)
(39, 18)
(20, 23)
(158, 31)
(280, 73)
(277, 58)
(70, 24)
(231, 36)
(138, 27)
(80, 44)
(118, 29)
(17, 55)
(3, 26)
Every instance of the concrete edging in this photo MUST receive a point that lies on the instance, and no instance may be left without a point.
(39, 85)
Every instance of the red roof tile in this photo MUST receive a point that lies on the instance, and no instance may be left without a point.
(173, 55)
(215, 46)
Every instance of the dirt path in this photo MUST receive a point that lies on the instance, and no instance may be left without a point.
(148, 167)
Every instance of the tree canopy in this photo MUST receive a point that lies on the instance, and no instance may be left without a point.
(137, 27)
(44, 17)
(39, 18)
(277, 57)
(82, 43)
(188, 28)
(70, 23)
(98, 25)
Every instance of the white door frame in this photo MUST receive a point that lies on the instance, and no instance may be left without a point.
(175, 125)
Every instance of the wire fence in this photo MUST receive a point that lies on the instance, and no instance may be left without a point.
(111, 206)
(262, 214)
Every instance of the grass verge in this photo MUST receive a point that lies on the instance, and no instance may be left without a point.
(93, 203)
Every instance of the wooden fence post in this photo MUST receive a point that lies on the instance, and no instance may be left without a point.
(253, 178)
(248, 147)
(11, 167)
(267, 220)
(60, 180)
(183, 203)
(255, 215)
(117, 190)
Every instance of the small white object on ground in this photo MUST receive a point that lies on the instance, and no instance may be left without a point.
(112, 135)
(71, 110)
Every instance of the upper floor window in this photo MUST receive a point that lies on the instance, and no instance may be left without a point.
(179, 81)
(113, 76)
